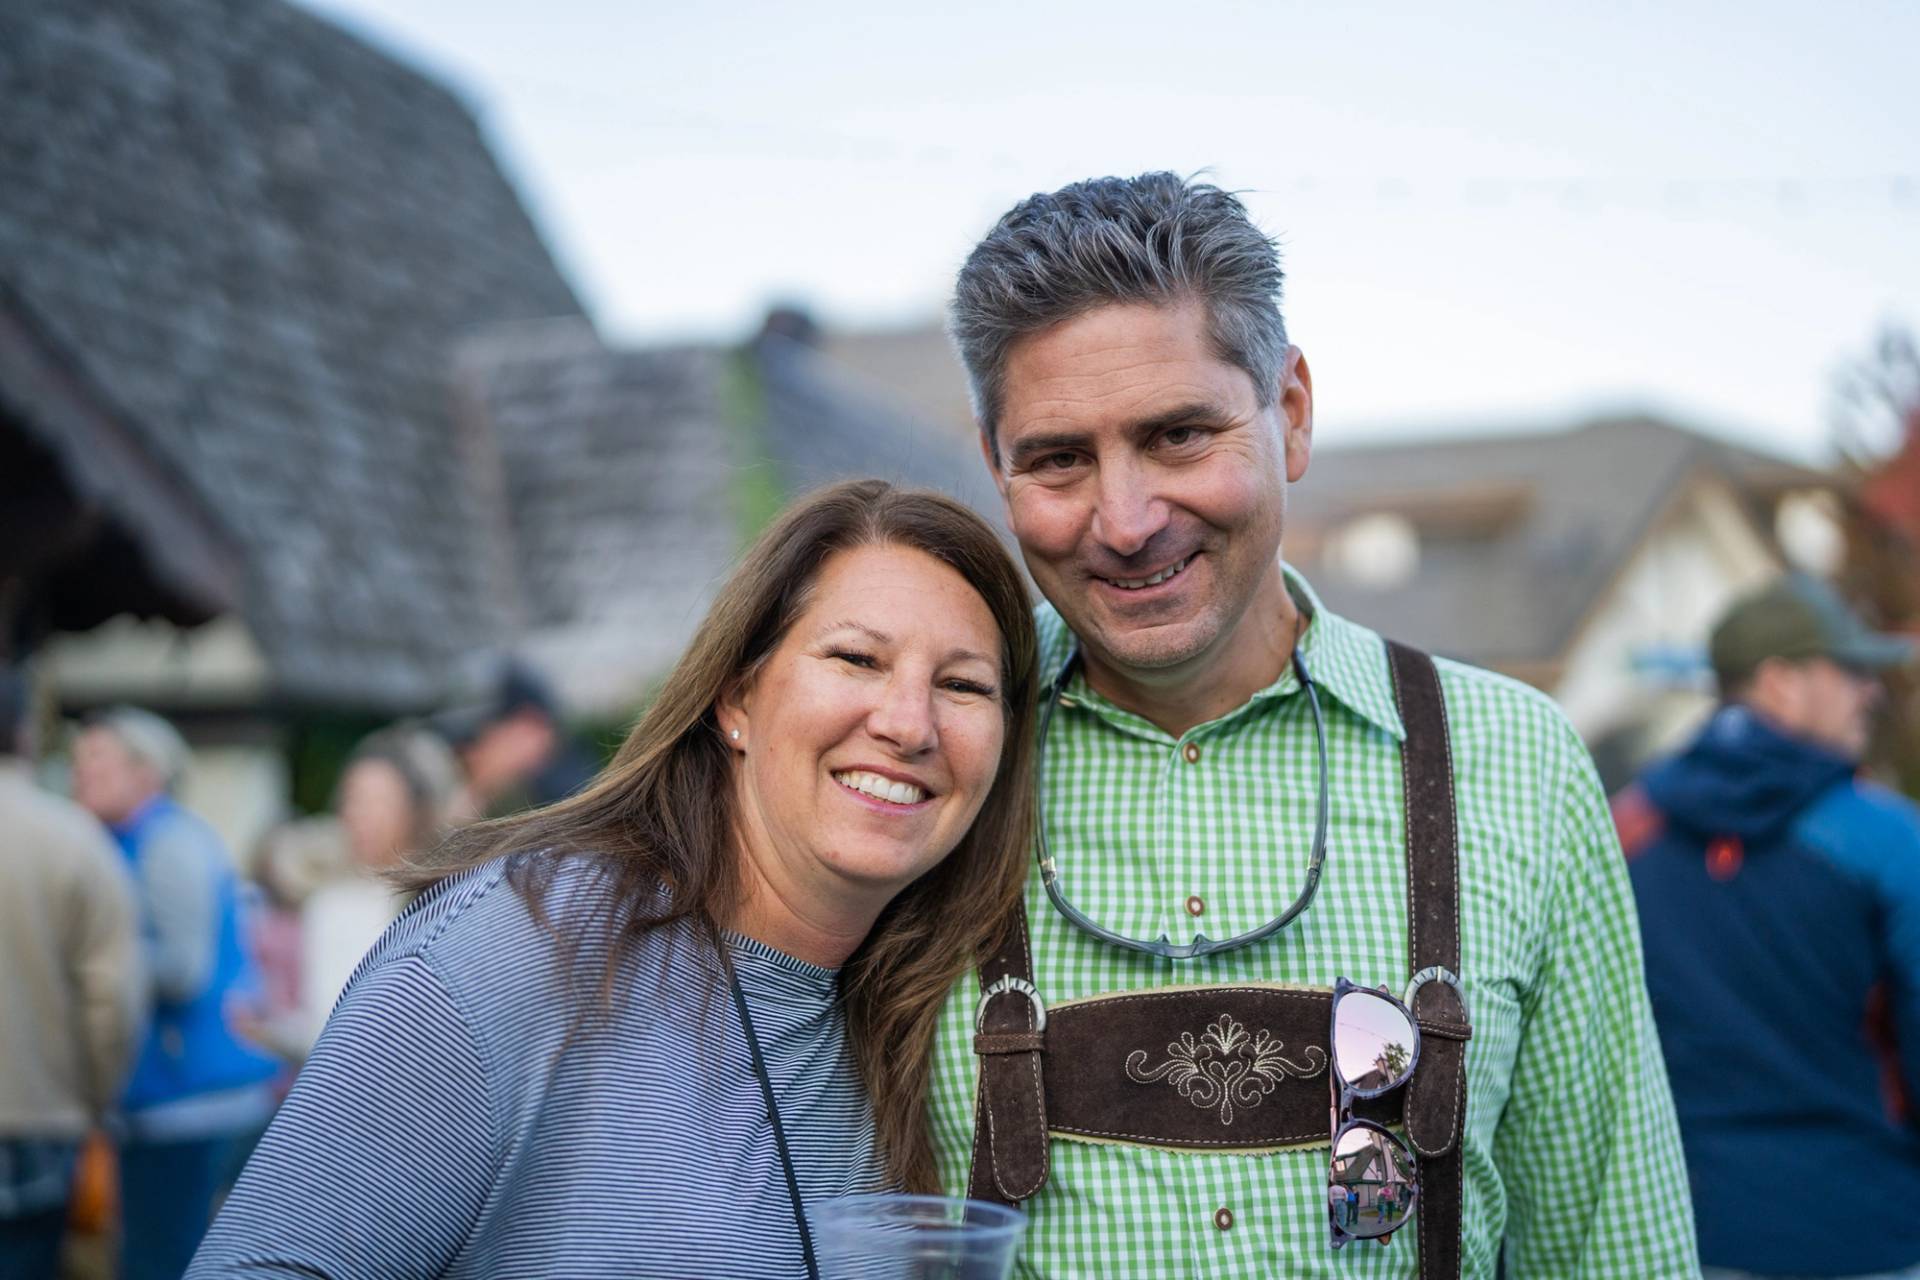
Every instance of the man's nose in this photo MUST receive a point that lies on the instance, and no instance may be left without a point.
(1128, 512)
(903, 717)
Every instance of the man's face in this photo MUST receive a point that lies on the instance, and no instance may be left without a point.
(1822, 701)
(109, 781)
(1146, 484)
(510, 751)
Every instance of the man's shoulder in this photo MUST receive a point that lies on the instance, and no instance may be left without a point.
(1479, 692)
(1487, 707)
(1476, 698)
(1856, 814)
(44, 828)
(26, 807)
(179, 832)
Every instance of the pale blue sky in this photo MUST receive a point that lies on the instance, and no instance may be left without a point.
(1493, 214)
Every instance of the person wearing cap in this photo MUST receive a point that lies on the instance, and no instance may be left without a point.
(1779, 900)
(199, 1088)
(512, 750)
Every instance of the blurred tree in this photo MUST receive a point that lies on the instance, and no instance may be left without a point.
(1877, 430)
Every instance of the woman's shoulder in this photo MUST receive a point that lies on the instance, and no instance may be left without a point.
(531, 922)
(482, 915)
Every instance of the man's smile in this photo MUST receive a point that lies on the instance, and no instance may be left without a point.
(1151, 580)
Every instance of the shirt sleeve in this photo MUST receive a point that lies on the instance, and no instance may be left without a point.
(108, 971)
(1588, 1148)
(181, 888)
(380, 1161)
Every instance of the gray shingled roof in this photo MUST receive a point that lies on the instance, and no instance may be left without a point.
(623, 481)
(259, 240)
(824, 423)
(617, 473)
(914, 366)
(1520, 534)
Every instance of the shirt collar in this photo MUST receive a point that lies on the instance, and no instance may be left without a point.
(1348, 661)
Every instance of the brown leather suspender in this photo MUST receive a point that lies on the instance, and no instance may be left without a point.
(1436, 1097)
(1110, 1084)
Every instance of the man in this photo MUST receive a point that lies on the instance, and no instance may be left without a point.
(71, 994)
(1780, 901)
(512, 751)
(1143, 414)
(199, 1089)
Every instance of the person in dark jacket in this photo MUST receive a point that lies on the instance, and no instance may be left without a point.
(1779, 899)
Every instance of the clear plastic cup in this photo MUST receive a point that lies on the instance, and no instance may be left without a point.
(901, 1237)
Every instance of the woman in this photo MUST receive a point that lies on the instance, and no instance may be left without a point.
(560, 1060)
(328, 898)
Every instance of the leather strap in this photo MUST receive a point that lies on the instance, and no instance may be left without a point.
(1010, 1157)
(1436, 1096)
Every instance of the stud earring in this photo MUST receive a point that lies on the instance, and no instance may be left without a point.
(735, 735)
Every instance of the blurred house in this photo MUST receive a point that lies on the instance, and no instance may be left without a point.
(1589, 563)
(300, 424)
(910, 365)
(632, 477)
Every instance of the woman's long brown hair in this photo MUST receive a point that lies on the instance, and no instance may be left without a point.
(659, 820)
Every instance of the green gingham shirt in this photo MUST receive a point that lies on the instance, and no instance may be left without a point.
(1571, 1153)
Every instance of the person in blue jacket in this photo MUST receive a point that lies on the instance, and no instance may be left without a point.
(1779, 899)
(200, 1089)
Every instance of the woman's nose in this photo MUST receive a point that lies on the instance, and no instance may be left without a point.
(904, 715)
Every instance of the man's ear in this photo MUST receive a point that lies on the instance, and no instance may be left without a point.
(1295, 403)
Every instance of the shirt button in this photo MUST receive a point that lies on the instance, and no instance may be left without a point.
(1223, 1218)
(1195, 905)
(1192, 752)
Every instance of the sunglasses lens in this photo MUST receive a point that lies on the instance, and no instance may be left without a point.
(1373, 1183)
(1372, 1042)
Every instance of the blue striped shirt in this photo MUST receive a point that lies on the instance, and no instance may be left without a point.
(456, 1119)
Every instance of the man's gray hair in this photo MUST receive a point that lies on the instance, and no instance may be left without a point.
(1158, 238)
(148, 739)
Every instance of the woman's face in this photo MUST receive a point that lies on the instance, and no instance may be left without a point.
(870, 736)
(376, 810)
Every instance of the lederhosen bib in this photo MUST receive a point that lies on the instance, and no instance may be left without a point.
(1240, 1067)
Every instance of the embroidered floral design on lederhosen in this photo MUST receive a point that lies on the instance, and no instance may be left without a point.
(1226, 1066)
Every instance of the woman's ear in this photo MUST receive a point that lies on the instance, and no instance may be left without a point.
(730, 712)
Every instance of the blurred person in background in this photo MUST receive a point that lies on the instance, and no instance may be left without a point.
(200, 1089)
(291, 860)
(1779, 899)
(72, 993)
(393, 802)
(327, 895)
(512, 749)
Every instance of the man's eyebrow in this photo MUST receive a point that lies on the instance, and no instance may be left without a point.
(1180, 415)
(1026, 448)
